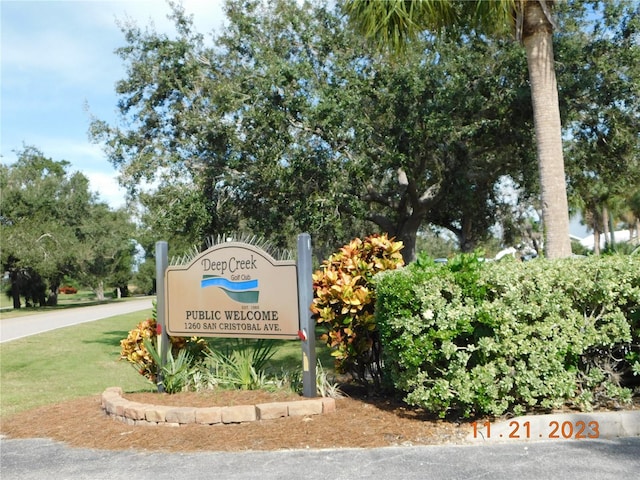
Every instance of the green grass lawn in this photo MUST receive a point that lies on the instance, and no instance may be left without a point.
(67, 363)
(83, 360)
(5, 302)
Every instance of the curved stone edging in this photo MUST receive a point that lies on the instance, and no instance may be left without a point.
(134, 413)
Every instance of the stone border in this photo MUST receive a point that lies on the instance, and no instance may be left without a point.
(134, 413)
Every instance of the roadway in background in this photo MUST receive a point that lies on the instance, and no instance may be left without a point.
(26, 325)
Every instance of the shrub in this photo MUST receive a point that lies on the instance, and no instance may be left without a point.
(241, 365)
(68, 289)
(176, 371)
(477, 339)
(344, 301)
(134, 350)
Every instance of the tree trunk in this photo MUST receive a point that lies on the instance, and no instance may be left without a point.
(99, 291)
(605, 226)
(408, 239)
(52, 298)
(15, 288)
(407, 234)
(537, 39)
(466, 239)
(594, 216)
(612, 232)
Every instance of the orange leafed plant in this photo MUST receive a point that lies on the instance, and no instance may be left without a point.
(134, 351)
(344, 301)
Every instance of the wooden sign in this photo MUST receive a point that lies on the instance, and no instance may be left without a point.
(233, 290)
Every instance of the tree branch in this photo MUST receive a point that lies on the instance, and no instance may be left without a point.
(374, 196)
(383, 222)
(430, 194)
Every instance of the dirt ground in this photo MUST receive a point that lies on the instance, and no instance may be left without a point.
(358, 422)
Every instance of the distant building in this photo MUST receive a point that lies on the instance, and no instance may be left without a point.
(619, 236)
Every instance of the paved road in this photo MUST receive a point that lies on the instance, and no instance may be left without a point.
(23, 326)
(568, 460)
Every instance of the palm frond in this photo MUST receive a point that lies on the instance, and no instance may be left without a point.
(393, 23)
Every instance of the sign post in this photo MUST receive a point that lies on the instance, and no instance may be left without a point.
(162, 260)
(307, 325)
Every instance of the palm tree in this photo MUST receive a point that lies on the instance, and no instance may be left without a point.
(392, 23)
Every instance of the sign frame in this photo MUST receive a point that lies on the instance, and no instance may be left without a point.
(232, 290)
(303, 294)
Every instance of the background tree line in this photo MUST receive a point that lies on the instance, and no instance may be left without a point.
(54, 229)
(602, 112)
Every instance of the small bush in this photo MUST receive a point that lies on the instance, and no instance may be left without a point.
(488, 338)
(241, 365)
(68, 290)
(176, 371)
(344, 301)
(134, 350)
(192, 365)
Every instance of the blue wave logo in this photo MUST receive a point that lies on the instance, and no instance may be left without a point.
(243, 291)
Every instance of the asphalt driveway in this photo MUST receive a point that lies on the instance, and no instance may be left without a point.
(568, 460)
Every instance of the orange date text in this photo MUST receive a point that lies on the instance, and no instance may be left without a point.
(577, 430)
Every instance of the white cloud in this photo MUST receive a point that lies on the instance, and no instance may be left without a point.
(81, 154)
(74, 42)
(50, 46)
(107, 188)
(207, 14)
(45, 50)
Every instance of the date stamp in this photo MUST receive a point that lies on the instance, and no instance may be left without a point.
(574, 430)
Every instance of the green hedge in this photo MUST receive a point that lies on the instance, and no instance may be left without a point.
(475, 338)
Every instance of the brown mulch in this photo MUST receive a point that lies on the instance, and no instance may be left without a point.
(358, 422)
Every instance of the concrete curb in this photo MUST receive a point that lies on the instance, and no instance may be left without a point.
(559, 426)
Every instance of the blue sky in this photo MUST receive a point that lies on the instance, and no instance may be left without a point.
(58, 67)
